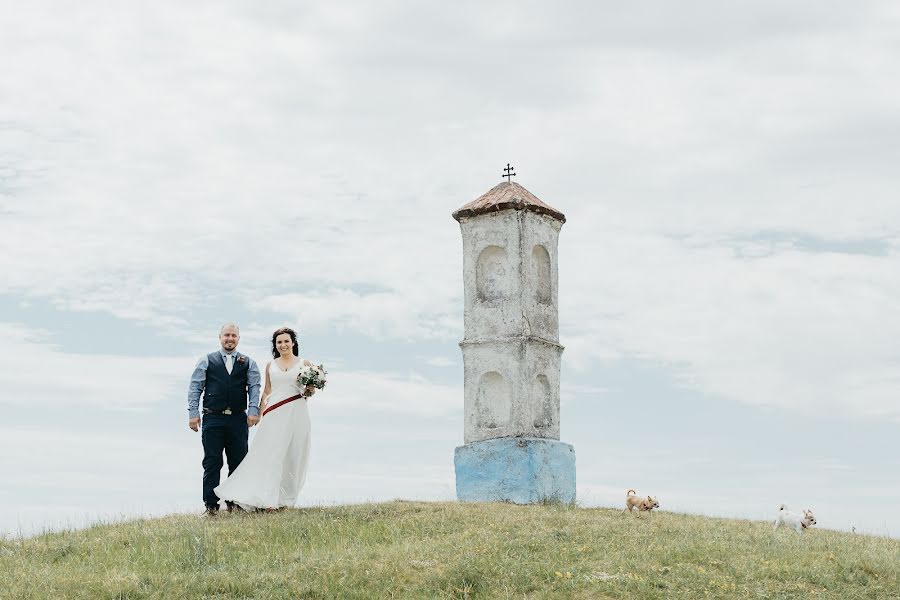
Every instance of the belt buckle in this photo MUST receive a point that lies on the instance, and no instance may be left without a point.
(227, 411)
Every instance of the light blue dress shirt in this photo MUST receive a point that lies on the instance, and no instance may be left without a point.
(198, 383)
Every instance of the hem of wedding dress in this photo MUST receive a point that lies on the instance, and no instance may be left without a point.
(262, 505)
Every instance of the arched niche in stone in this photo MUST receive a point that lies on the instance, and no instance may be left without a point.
(542, 400)
(494, 401)
(541, 280)
(492, 274)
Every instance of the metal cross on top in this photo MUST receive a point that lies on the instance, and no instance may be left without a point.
(508, 172)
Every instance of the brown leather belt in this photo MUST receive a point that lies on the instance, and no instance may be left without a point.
(227, 411)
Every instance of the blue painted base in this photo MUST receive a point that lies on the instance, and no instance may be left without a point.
(519, 470)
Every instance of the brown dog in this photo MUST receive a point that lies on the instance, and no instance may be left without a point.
(642, 504)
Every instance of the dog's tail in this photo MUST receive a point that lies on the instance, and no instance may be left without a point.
(631, 493)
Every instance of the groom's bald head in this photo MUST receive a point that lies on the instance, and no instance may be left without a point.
(236, 328)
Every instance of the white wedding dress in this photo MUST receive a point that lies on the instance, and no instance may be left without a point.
(273, 472)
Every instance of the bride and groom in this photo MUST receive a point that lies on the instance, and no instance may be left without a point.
(270, 474)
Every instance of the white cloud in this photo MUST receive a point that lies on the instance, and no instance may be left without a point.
(808, 330)
(36, 370)
(380, 315)
(307, 160)
(412, 395)
(440, 361)
(63, 477)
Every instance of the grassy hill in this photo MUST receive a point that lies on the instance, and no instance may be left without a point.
(448, 550)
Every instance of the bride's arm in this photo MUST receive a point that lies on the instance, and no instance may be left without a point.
(266, 391)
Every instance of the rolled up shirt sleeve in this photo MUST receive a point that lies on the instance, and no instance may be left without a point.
(253, 389)
(195, 389)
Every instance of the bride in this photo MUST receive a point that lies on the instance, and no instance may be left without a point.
(273, 472)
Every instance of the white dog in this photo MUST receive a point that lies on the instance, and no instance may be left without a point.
(791, 519)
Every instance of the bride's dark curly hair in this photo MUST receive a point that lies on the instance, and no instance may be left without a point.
(290, 332)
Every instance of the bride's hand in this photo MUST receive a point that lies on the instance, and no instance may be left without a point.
(309, 391)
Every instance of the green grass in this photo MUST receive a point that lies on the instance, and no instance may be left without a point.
(448, 550)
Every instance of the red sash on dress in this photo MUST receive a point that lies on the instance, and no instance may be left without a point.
(277, 404)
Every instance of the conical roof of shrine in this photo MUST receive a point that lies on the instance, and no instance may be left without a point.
(507, 195)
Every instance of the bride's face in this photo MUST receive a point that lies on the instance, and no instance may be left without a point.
(284, 344)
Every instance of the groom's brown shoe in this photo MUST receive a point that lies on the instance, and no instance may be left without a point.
(210, 512)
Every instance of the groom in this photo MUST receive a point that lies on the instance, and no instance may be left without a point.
(225, 378)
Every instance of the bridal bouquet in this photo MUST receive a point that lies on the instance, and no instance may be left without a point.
(312, 375)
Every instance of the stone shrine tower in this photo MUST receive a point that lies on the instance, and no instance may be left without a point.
(511, 352)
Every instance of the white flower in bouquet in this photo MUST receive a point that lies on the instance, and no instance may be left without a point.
(313, 375)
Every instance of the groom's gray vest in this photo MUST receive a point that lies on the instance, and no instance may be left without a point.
(223, 390)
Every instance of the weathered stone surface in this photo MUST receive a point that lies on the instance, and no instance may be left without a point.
(511, 388)
(511, 275)
(511, 350)
(520, 470)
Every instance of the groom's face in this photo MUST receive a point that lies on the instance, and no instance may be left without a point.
(229, 339)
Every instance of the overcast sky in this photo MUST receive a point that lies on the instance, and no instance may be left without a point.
(729, 269)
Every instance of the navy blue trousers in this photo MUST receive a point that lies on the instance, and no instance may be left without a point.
(220, 433)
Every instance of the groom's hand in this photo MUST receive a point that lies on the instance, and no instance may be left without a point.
(194, 423)
(253, 420)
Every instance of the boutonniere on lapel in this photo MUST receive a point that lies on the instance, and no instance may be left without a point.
(241, 359)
